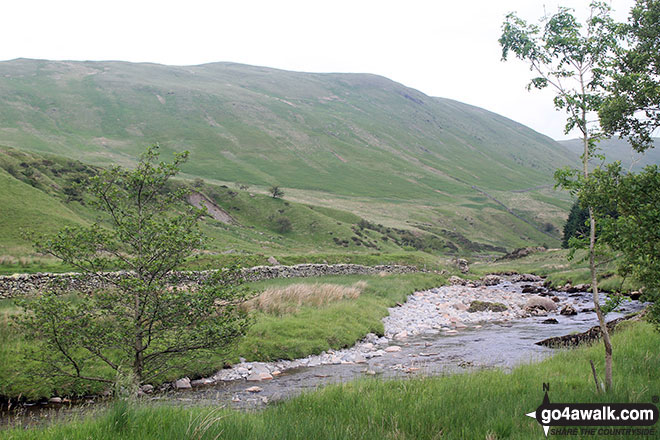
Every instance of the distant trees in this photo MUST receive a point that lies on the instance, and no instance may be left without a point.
(143, 324)
(276, 192)
(576, 225)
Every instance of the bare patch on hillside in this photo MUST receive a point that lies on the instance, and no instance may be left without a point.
(199, 200)
(212, 122)
(286, 102)
(339, 157)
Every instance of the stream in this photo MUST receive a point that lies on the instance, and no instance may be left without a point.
(450, 342)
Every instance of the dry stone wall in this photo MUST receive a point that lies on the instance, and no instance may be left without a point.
(23, 284)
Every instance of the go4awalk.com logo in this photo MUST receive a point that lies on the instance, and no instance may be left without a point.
(602, 419)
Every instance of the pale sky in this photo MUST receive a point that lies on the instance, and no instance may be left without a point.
(442, 48)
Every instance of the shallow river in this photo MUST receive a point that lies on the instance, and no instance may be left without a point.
(487, 345)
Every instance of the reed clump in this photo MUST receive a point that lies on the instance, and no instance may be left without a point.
(289, 299)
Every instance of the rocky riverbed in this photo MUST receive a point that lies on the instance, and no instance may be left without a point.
(445, 310)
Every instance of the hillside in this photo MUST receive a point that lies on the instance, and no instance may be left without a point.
(38, 195)
(41, 193)
(619, 149)
(357, 142)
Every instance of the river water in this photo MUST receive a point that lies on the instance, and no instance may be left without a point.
(494, 344)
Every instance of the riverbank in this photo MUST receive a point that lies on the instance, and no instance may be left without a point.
(490, 404)
(442, 310)
(311, 330)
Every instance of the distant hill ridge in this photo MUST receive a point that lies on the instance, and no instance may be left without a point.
(619, 149)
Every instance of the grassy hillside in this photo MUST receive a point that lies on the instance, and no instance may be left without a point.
(43, 193)
(34, 197)
(330, 132)
(357, 142)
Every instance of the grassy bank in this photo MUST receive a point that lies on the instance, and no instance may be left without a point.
(310, 330)
(555, 266)
(481, 405)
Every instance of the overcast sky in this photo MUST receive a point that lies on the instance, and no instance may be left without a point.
(443, 48)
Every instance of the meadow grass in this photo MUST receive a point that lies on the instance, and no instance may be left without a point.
(280, 301)
(489, 404)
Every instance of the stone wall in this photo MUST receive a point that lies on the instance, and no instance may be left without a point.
(21, 284)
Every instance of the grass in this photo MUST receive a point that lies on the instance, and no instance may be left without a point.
(286, 300)
(25, 207)
(11, 265)
(310, 330)
(481, 405)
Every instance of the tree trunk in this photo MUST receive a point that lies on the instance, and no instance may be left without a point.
(599, 313)
(138, 363)
(594, 279)
(138, 346)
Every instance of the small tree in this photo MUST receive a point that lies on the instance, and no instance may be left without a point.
(276, 192)
(283, 225)
(143, 323)
(572, 58)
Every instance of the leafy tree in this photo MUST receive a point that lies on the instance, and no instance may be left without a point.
(276, 192)
(572, 58)
(576, 224)
(628, 209)
(632, 109)
(629, 203)
(144, 324)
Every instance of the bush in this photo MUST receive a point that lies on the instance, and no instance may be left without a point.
(276, 192)
(282, 225)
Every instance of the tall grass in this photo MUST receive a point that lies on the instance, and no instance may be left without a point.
(289, 299)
